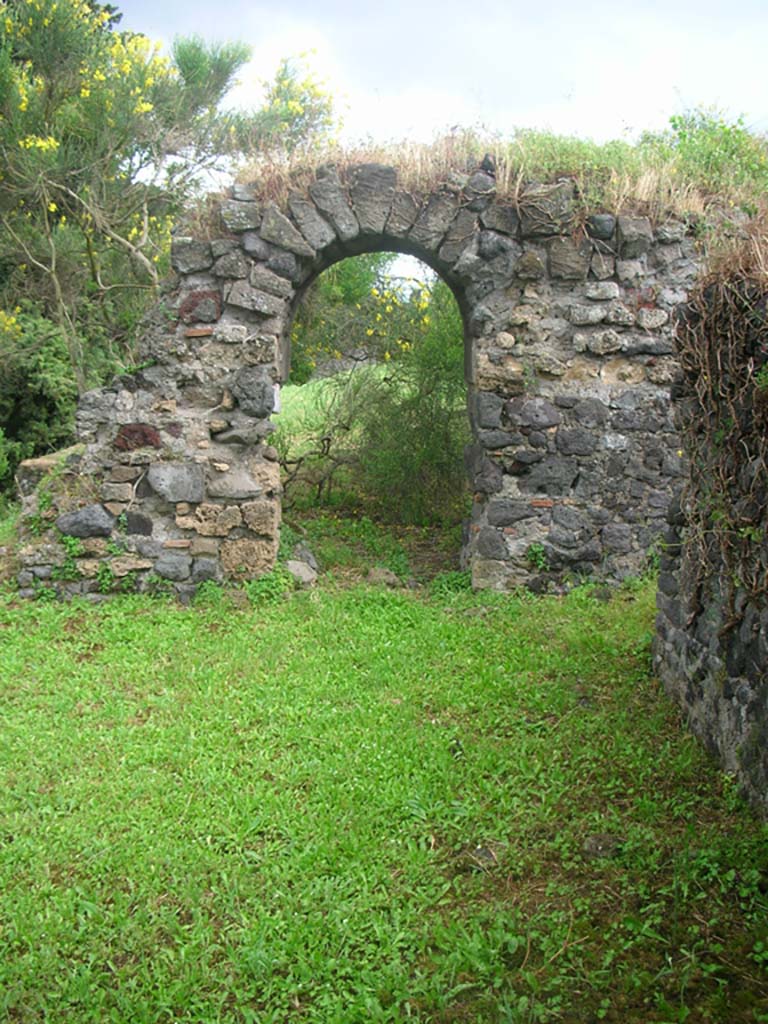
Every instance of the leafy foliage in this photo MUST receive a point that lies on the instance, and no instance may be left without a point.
(392, 430)
(102, 141)
(297, 113)
(330, 325)
(715, 154)
(37, 392)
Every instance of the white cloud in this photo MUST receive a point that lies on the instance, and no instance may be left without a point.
(411, 69)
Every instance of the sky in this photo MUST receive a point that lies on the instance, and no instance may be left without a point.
(411, 70)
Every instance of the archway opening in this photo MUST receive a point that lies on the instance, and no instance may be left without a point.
(373, 420)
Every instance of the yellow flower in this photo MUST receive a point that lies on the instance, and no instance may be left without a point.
(52, 207)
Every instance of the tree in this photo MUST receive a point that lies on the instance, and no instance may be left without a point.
(297, 112)
(93, 124)
(102, 143)
(332, 320)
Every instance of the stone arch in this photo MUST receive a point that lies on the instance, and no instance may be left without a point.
(569, 360)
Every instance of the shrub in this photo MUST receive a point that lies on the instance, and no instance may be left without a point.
(392, 434)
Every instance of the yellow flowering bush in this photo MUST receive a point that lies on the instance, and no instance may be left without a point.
(88, 120)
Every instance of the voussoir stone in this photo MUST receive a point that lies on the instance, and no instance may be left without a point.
(405, 209)
(317, 231)
(276, 228)
(91, 521)
(433, 221)
(372, 189)
(330, 198)
(459, 235)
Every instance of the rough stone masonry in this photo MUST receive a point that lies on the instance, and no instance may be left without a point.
(568, 340)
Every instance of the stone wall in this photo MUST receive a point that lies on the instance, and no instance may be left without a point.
(568, 361)
(711, 647)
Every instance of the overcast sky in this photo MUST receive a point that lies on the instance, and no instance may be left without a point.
(409, 69)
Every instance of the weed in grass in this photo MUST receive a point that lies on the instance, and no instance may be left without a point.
(451, 582)
(270, 587)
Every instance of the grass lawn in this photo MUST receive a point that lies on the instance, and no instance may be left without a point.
(357, 804)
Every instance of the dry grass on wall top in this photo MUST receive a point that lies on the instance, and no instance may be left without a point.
(648, 177)
(723, 345)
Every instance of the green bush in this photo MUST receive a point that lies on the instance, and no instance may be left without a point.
(37, 391)
(713, 154)
(414, 426)
(389, 437)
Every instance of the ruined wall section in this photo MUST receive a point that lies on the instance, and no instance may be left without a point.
(711, 645)
(568, 357)
(576, 450)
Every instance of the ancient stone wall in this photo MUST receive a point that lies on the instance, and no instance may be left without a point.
(711, 646)
(568, 360)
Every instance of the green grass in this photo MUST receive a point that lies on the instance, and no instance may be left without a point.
(348, 546)
(364, 805)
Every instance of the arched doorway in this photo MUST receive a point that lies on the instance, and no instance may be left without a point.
(567, 365)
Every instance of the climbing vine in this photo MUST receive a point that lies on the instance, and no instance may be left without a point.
(723, 344)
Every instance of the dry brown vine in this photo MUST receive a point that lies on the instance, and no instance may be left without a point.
(723, 414)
